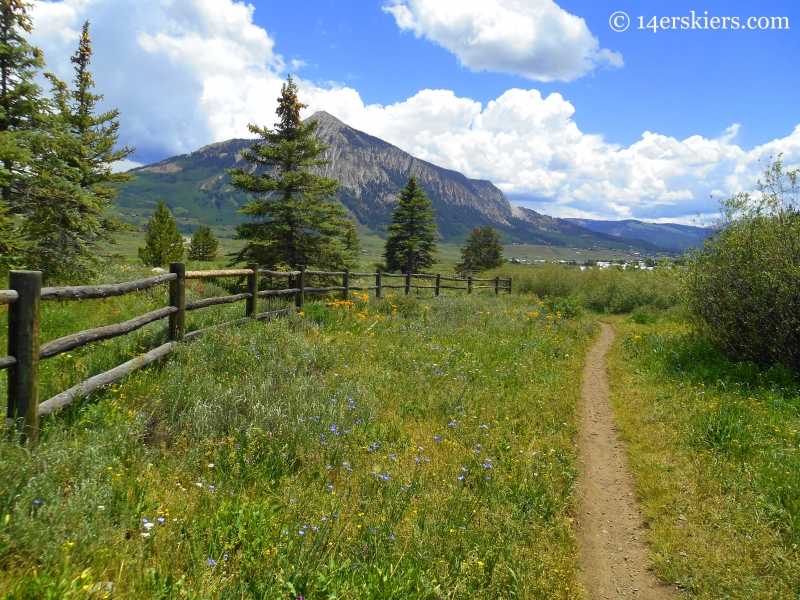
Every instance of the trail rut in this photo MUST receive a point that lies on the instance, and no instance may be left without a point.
(613, 554)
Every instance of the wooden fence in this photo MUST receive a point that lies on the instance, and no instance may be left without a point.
(25, 350)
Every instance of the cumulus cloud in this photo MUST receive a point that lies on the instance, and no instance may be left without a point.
(532, 149)
(189, 72)
(533, 38)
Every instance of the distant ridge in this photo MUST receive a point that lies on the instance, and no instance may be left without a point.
(669, 235)
(370, 171)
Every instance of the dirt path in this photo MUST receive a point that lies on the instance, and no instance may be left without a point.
(613, 553)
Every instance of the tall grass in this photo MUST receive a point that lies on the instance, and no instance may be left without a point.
(396, 449)
(608, 291)
(715, 447)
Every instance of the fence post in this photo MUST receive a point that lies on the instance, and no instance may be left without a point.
(496, 286)
(469, 284)
(300, 298)
(378, 285)
(408, 282)
(23, 344)
(177, 298)
(252, 289)
(438, 282)
(346, 284)
(509, 286)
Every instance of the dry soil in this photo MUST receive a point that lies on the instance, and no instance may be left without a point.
(614, 556)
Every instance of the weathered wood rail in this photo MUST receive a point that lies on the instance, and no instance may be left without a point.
(25, 350)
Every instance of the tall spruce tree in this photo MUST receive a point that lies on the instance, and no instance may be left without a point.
(68, 221)
(482, 251)
(22, 112)
(204, 245)
(411, 243)
(163, 241)
(294, 221)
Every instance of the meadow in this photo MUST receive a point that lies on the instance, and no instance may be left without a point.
(403, 448)
(412, 447)
(714, 445)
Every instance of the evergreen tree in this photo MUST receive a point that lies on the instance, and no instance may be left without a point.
(352, 243)
(22, 111)
(68, 219)
(482, 251)
(163, 241)
(204, 245)
(411, 243)
(293, 220)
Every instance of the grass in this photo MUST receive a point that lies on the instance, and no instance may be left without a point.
(714, 448)
(405, 448)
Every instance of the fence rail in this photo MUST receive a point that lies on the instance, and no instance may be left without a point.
(26, 294)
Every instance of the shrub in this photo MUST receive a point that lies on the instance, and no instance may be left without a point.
(743, 286)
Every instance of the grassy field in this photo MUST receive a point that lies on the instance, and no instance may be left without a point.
(372, 246)
(407, 448)
(715, 449)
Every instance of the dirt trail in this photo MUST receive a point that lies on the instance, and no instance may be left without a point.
(613, 554)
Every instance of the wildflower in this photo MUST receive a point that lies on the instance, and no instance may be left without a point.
(212, 562)
(210, 465)
(452, 424)
(101, 507)
(161, 519)
(145, 534)
(436, 438)
(460, 477)
(37, 501)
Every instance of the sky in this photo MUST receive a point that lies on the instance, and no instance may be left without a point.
(682, 107)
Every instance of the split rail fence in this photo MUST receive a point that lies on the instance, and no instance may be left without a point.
(25, 350)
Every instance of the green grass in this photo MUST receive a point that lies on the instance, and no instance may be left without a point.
(714, 446)
(423, 447)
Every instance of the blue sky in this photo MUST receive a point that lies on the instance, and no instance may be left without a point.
(541, 97)
(678, 83)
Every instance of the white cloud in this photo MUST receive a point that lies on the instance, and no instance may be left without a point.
(533, 38)
(189, 72)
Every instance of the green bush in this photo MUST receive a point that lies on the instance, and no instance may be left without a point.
(743, 286)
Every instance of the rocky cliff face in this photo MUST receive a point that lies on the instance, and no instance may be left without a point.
(371, 171)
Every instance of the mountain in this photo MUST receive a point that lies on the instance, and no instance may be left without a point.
(371, 171)
(669, 235)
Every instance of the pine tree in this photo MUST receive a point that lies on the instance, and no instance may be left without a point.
(352, 243)
(22, 110)
(163, 241)
(293, 220)
(68, 220)
(204, 245)
(411, 243)
(482, 251)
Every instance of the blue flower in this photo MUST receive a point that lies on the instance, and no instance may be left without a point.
(436, 438)
(212, 562)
